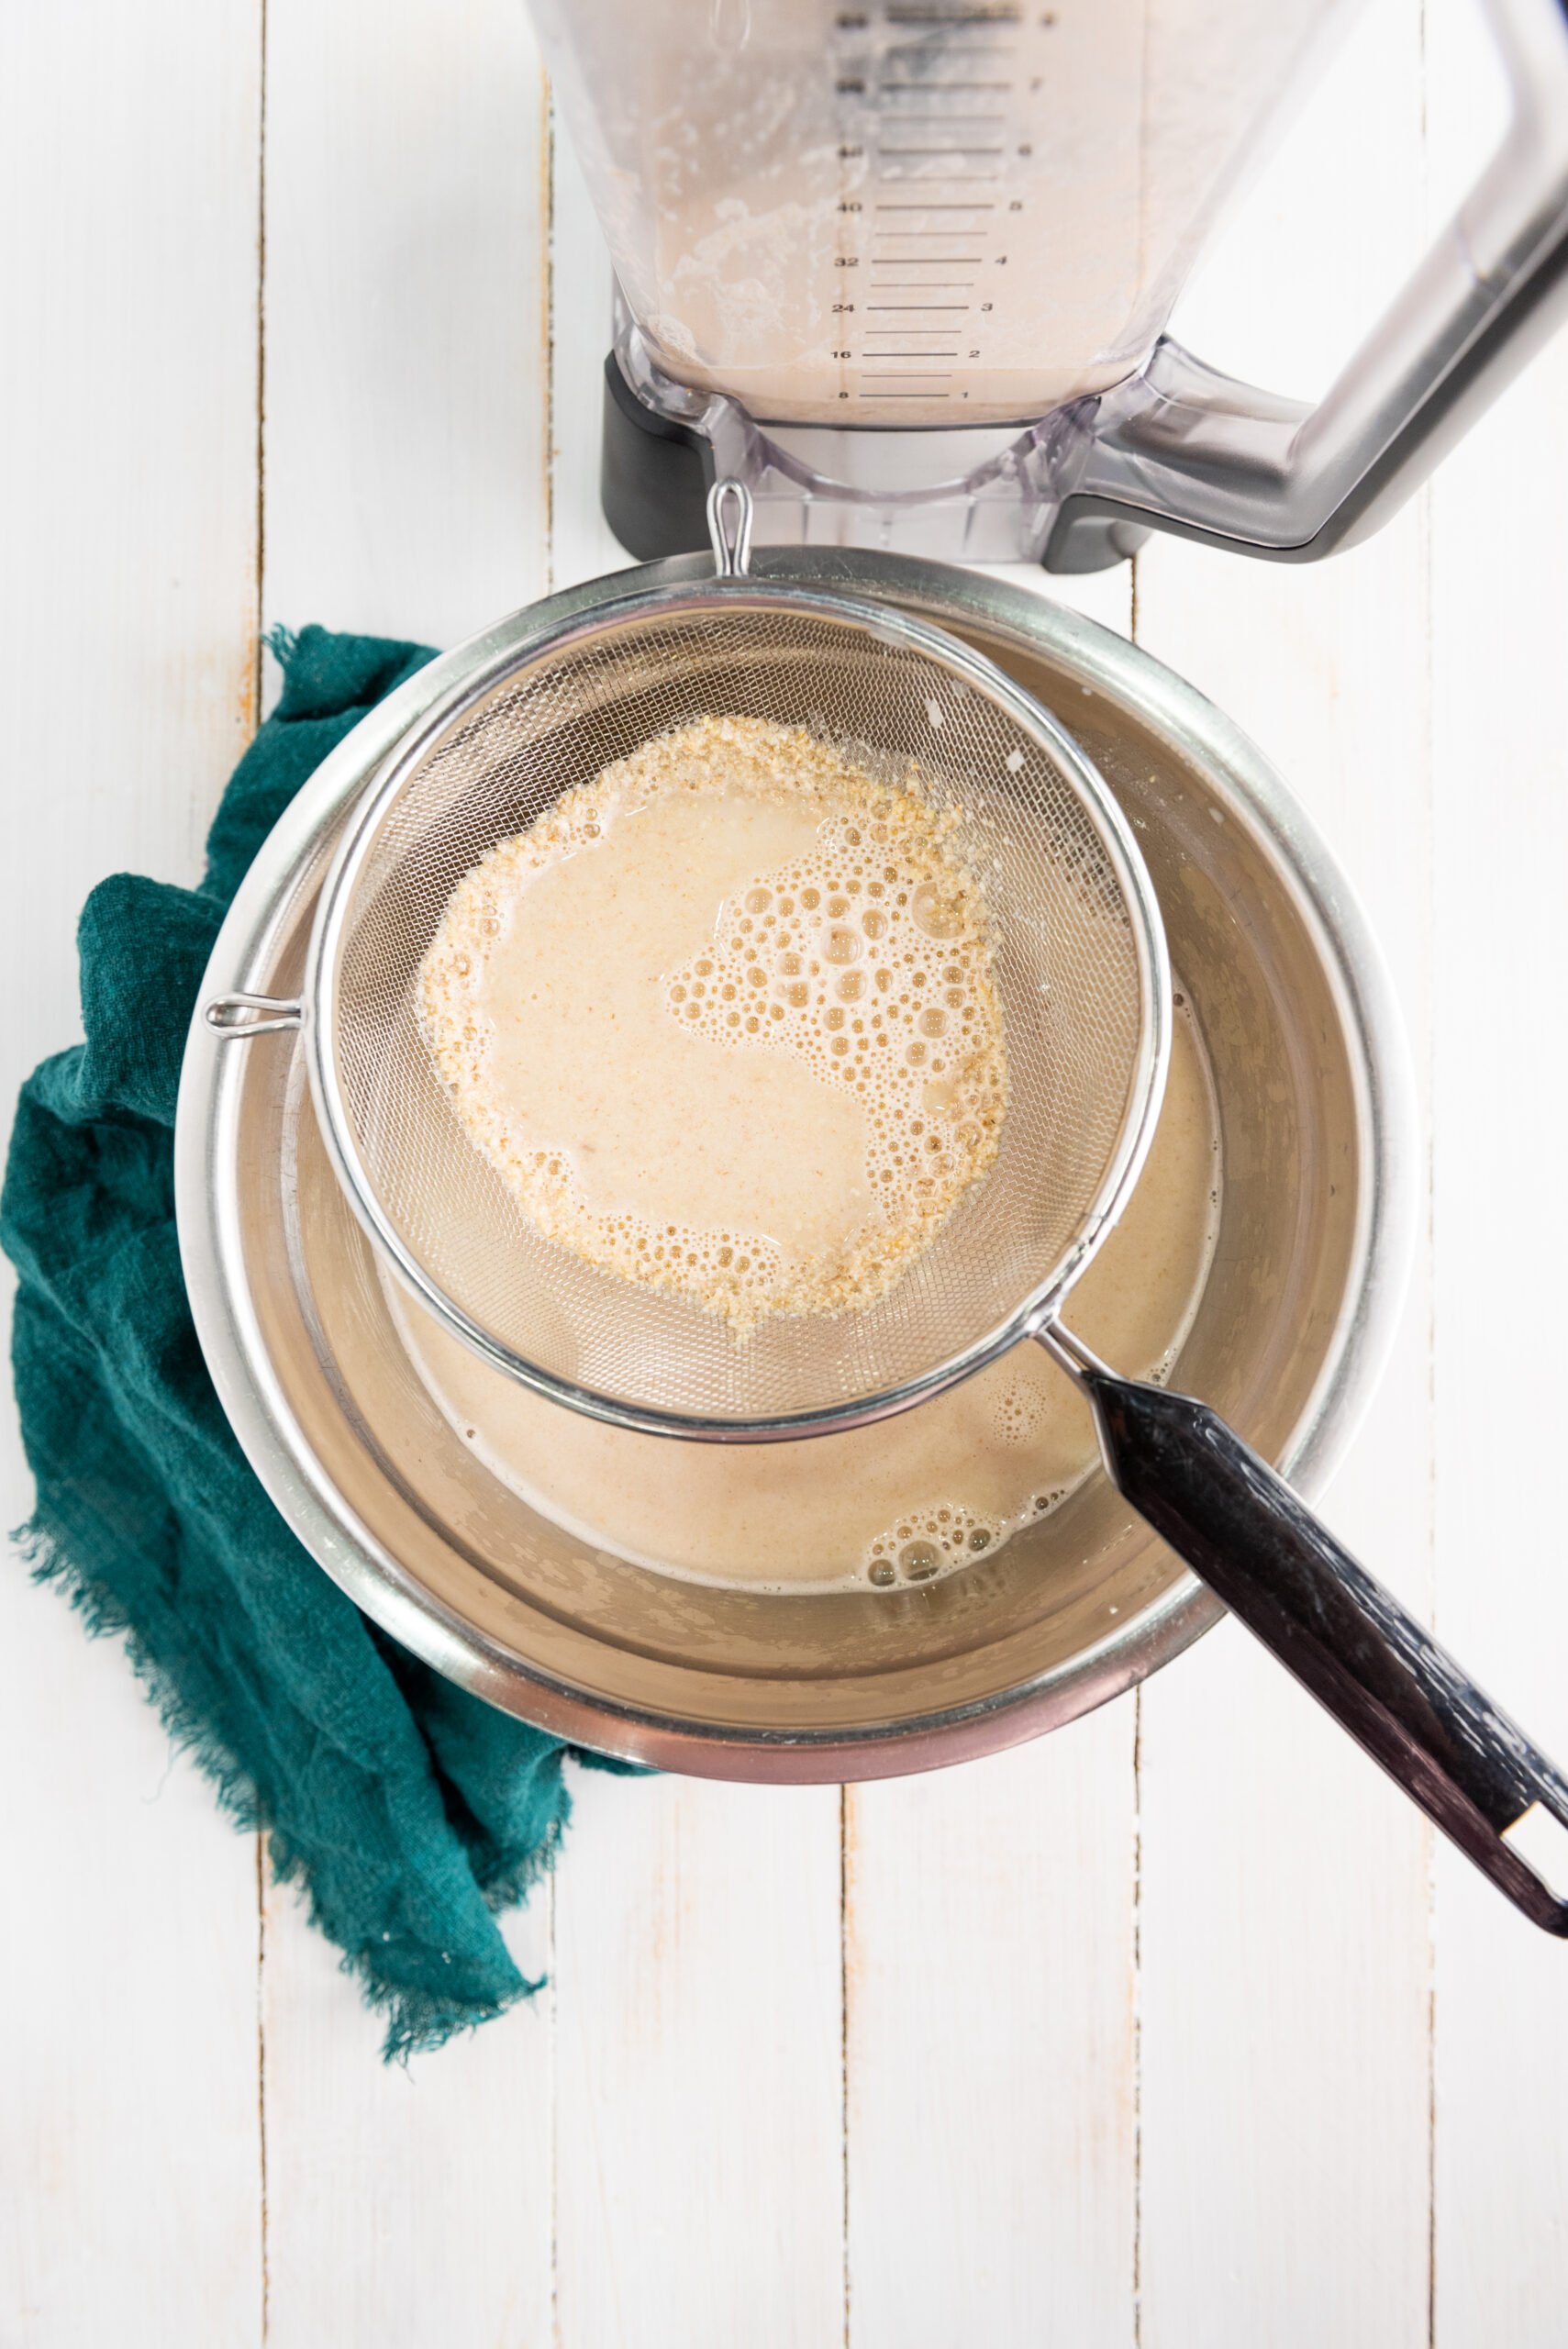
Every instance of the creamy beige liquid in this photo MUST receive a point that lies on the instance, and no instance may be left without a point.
(725, 1020)
(915, 1496)
(912, 215)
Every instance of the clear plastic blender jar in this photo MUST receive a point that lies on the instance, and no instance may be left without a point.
(904, 268)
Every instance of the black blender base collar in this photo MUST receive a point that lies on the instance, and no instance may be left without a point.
(654, 475)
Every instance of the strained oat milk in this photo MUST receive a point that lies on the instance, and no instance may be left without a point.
(901, 1503)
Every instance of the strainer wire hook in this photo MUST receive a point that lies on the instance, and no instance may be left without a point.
(729, 528)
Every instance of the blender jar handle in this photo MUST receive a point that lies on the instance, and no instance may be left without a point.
(1382, 1675)
(1185, 448)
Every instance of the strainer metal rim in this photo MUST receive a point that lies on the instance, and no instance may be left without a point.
(1040, 1308)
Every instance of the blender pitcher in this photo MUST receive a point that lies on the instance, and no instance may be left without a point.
(903, 268)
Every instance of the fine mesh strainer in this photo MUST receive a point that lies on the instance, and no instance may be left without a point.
(1081, 964)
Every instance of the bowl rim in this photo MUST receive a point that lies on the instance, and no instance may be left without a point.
(268, 902)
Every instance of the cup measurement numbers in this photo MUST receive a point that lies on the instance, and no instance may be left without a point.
(932, 107)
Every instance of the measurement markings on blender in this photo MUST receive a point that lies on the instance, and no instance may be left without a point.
(900, 14)
(929, 108)
(905, 271)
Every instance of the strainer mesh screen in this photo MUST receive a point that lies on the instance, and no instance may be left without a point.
(1065, 959)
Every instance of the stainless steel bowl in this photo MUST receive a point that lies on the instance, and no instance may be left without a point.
(1319, 1211)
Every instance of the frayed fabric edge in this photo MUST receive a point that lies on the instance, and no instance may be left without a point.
(415, 2026)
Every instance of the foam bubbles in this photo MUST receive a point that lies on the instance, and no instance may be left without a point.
(853, 987)
(929, 1543)
(934, 1540)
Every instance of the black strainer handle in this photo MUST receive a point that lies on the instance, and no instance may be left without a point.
(1345, 1638)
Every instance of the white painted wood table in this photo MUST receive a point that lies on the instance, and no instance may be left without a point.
(1171, 2029)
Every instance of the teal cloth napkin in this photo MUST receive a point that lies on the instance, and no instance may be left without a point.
(408, 1811)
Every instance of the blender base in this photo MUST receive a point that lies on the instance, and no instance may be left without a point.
(655, 474)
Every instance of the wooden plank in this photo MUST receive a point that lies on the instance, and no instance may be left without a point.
(1502, 819)
(406, 344)
(405, 491)
(699, 2112)
(128, 2138)
(1500, 2255)
(1284, 1930)
(581, 287)
(404, 2205)
(128, 170)
(989, 1967)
